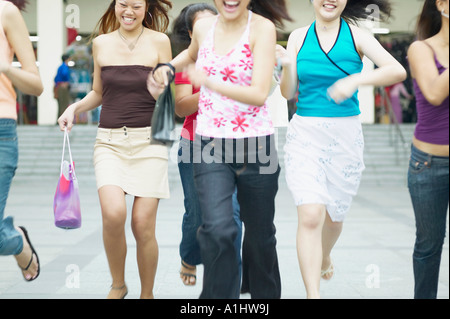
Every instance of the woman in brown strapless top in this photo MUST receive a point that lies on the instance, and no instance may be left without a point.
(130, 44)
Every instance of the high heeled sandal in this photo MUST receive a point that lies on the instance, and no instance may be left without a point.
(188, 275)
(121, 288)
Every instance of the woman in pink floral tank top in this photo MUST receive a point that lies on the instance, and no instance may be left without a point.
(234, 57)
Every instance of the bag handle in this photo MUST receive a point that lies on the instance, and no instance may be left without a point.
(171, 74)
(72, 164)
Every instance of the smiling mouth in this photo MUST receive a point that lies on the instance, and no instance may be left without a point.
(128, 20)
(231, 4)
(329, 6)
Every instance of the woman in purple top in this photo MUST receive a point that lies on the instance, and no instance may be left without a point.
(428, 177)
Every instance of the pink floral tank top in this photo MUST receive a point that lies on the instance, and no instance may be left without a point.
(218, 115)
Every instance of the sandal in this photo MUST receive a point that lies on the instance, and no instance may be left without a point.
(121, 288)
(33, 253)
(328, 272)
(188, 275)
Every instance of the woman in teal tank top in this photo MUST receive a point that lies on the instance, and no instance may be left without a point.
(324, 146)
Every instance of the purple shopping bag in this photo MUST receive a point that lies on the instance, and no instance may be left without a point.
(66, 204)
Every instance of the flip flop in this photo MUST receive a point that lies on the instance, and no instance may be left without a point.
(327, 272)
(188, 275)
(33, 253)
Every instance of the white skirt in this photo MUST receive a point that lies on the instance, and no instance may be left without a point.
(324, 160)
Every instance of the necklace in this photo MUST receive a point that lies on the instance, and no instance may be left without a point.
(133, 44)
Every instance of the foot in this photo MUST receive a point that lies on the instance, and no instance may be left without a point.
(327, 269)
(188, 274)
(118, 292)
(27, 260)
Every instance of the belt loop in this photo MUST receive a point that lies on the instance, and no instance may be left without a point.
(110, 135)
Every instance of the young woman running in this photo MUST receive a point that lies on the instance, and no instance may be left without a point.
(325, 144)
(428, 176)
(14, 39)
(131, 44)
(235, 57)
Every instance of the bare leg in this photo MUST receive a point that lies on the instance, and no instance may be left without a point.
(143, 225)
(114, 213)
(311, 219)
(330, 235)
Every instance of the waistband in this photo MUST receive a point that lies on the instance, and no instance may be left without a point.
(425, 157)
(125, 130)
(8, 122)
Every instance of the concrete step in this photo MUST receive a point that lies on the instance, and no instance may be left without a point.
(386, 153)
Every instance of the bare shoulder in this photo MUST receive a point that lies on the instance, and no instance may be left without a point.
(297, 37)
(10, 10)
(203, 25)
(262, 24)
(10, 14)
(419, 48)
(361, 34)
(157, 37)
(201, 28)
(102, 39)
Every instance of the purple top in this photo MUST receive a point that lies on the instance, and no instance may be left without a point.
(433, 121)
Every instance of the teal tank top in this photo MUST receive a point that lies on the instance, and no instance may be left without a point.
(318, 70)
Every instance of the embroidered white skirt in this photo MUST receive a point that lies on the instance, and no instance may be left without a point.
(324, 160)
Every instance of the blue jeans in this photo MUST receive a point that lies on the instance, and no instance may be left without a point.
(10, 239)
(192, 219)
(428, 182)
(221, 165)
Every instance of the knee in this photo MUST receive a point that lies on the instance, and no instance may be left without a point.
(114, 220)
(143, 229)
(223, 233)
(311, 217)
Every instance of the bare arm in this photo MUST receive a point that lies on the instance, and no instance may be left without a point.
(26, 79)
(186, 103)
(434, 86)
(389, 70)
(288, 57)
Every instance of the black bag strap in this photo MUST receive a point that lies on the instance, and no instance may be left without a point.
(172, 68)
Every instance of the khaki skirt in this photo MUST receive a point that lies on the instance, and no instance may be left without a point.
(124, 158)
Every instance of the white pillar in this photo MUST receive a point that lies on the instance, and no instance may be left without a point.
(50, 29)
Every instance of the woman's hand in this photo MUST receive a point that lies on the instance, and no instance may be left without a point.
(66, 119)
(155, 88)
(343, 89)
(283, 56)
(198, 78)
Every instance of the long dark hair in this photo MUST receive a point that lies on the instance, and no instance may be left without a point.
(184, 24)
(21, 4)
(274, 10)
(430, 21)
(357, 10)
(157, 17)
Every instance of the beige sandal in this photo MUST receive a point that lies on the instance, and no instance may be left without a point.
(325, 273)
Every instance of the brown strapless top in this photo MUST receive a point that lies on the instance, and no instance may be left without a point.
(126, 99)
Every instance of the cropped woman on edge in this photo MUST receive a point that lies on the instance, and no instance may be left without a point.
(14, 39)
(428, 176)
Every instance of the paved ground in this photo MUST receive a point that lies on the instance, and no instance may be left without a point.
(372, 257)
